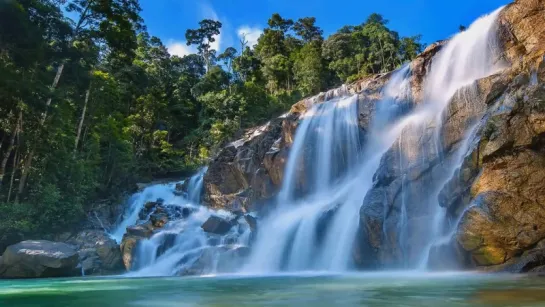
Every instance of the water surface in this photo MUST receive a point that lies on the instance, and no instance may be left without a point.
(366, 289)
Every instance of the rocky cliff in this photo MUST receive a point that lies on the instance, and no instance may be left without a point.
(495, 198)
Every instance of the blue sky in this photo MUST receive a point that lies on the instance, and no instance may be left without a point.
(434, 19)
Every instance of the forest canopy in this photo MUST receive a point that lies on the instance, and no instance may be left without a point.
(91, 103)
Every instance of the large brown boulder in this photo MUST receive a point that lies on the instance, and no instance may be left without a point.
(499, 226)
(34, 259)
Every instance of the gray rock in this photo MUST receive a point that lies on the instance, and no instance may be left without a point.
(109, 254)
(98, 244)
(31, 259)
(217, 225)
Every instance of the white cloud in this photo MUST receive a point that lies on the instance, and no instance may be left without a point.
(250, 34)
(180, 48)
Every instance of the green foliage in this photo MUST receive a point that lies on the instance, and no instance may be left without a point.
(309, 69)
(369, 48)
(91, 103)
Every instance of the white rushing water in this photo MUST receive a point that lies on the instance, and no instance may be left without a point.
(331, 169)
(181, 246)
(137, 201)
(329, 173)
(163, 191)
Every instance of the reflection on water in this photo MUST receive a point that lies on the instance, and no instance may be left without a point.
(372, 289)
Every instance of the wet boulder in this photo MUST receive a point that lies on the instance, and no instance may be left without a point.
(148, 209)
(130, 241)
(239, 168)
(90, 263)
(128, 247)
(531, 261)
(40, 258)
(159, 220)
(217, 225)
(200, 263)
(167, 242)
(143, 230)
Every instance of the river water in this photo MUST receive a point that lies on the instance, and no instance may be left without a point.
(363, 289)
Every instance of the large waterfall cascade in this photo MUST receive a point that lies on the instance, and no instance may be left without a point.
(334, 168)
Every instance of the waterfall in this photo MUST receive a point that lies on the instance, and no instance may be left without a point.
(328, 147)
(338, 174)
(330, 171)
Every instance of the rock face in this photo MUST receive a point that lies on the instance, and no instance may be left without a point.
(504, 226)
(496, 196)
(239, 174)
(31, 259)
(506, 217)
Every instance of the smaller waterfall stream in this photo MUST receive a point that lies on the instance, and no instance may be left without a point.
(182, 246)
(137, 201)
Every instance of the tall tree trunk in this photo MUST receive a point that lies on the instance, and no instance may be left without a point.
(382, 56)
(4, 136)
(28, 161)
(82, 119)
(13, 171)
(60, 69)
(8, 151)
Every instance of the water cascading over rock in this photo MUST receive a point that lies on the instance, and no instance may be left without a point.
(396, 169)
(170, 233)
(403, 170)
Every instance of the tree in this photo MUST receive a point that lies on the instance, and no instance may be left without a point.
(410, 47)
(227, 57)
(111, 22)
(355, 51)
(276, 22)
(306, 28)
(203, 37)
(248, 66)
